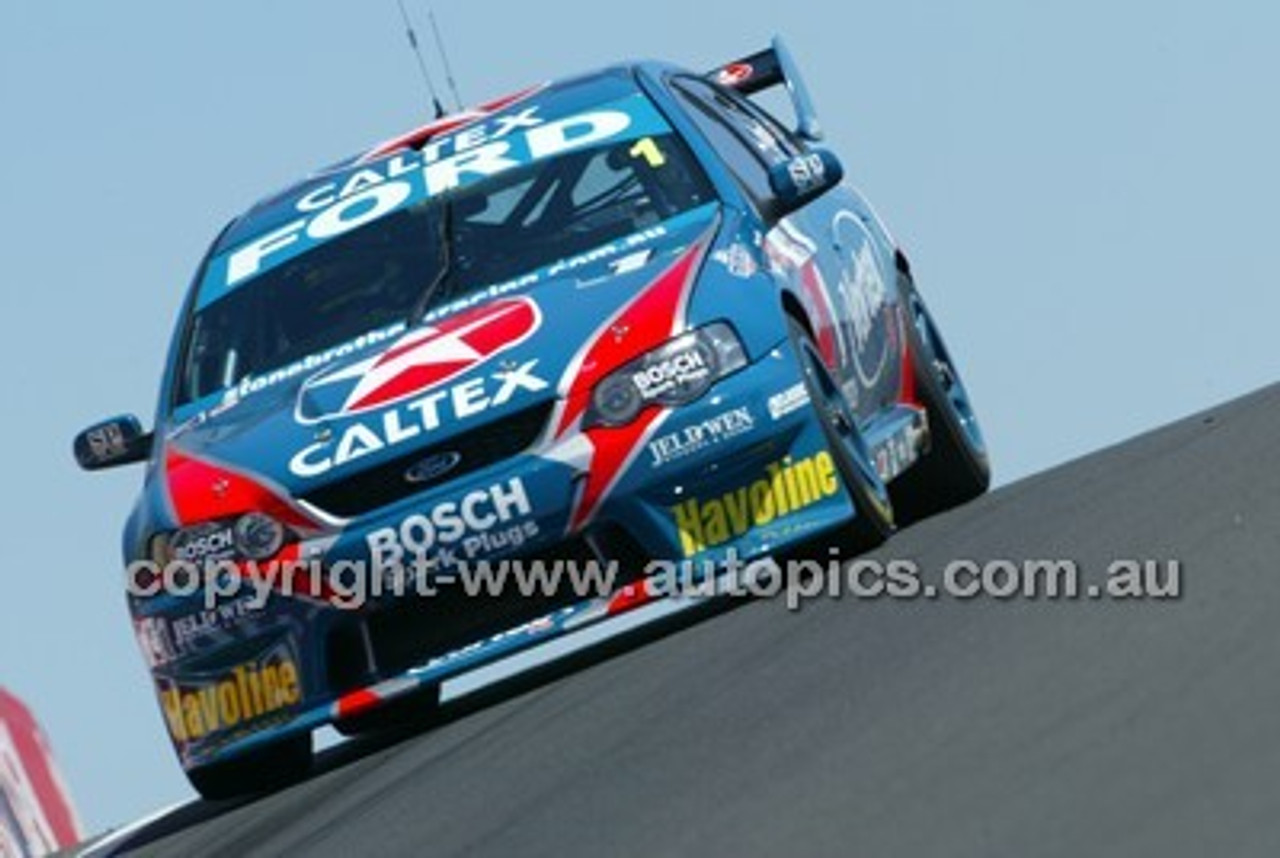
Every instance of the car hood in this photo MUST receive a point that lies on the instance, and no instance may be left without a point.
(476, 363)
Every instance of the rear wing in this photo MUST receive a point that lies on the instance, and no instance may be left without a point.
(769, 68)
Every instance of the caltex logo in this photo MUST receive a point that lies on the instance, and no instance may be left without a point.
(422, 359)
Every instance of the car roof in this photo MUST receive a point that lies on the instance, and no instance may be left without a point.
(275, 209)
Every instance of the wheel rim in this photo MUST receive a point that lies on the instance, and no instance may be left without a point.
(842, 428)
(949, 380)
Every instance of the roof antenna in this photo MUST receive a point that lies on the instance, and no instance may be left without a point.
(422, 64)
(444, 57)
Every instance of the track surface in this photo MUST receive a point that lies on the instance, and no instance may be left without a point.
(885, 728)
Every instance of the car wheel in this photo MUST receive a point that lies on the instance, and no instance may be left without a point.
(412, 712)
(956, 468)
(873, 521)
(257, 771)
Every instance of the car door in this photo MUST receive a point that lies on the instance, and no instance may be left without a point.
(832, 251)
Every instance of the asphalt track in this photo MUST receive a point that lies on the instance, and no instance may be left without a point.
(883, 728)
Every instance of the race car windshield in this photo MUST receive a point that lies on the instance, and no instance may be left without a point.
(362, 284)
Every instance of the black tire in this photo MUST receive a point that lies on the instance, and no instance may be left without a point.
(258, 771)
(410, 713)
(955, 469)
(874, 519)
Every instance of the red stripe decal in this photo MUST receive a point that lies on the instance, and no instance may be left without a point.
(816, 291)
(612, 451)
(419, 136)
(646, 322)
(357, 702)
(630, 597)
(908, 394)
(201, 491)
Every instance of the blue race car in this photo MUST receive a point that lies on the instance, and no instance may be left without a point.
(627, 319)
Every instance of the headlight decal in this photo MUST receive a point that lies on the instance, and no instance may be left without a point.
(676, 373)
(224, 514)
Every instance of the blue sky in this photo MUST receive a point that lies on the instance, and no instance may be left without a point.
(1088, 191)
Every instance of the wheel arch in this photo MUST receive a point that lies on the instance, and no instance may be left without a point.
(793, 308)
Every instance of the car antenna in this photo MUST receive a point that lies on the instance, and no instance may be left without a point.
(444, 58)
(422, 63)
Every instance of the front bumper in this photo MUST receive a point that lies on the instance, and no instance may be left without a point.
(737, 474)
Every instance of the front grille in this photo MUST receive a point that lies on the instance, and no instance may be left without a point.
(387, 483)
(413, 629)
(618, 545)
(410, 631)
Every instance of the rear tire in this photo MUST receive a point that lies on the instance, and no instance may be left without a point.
(873, 521)
(955, 469)
(261, 770)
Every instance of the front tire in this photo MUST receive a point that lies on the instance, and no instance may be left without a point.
(262, 770)
(873, 521)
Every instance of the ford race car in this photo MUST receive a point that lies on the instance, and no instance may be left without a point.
(628, 318)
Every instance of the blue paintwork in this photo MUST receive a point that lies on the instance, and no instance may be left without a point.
(750, 264)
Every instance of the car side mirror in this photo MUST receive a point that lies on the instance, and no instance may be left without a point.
(802, 179)
(112, 443)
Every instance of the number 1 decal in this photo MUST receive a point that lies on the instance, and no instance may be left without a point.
(649, 150)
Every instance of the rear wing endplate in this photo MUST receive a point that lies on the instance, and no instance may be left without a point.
(769, 68)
